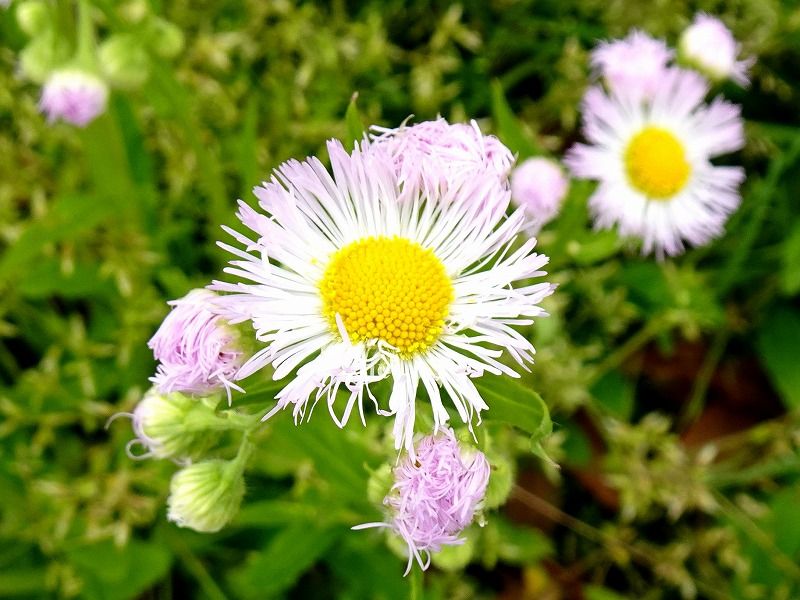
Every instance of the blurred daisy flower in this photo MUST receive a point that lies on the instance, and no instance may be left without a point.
(73, 95)
(199, 353)
(435, 495)
(632, 66)
(708, 45)
(350, 281)
(653, 162)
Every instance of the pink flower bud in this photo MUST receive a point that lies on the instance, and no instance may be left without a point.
(435, 495)
(199, 351)
(74, 96)
(539, 185)
(710, 47)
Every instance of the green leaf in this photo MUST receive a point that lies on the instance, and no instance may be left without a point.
(70, 216)
(520, 545)
(594, 592)
(271, 513)
(780, 353)
(594, 247)
(23, 582)
(290, 553)
(379, 575)
(47, 278)
(111, 573)
(576, 446)
(355, 125)
(511, 402)
(509, 129)
(790, 270)
(615, 393)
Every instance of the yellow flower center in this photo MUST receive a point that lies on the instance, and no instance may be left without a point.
(387, 288)
(656, 163)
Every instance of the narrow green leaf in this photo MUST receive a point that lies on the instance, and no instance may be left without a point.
(293, 550)
(509, 129)
(780, 353)
(112, 573)
(354, 122)
(790, 270)
(69, 216)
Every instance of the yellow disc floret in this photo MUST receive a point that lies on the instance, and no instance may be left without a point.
(390, 289)
(656, 164)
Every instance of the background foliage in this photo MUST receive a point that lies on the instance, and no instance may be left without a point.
(673, 386)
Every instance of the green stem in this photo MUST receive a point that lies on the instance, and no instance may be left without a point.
(195, 566)
(748, 475)
(246, 449)
(85, 54)
(641, 555)
(637, 341)
(416, 583)
(752, 530)
(698, 396)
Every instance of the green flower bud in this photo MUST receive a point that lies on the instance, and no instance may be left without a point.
(181, 427)
(205, 496)
(500, 482)
(455, 557)
(124, 61)
(33, 17)
(166, 39)
(42, 55)
(379, 484)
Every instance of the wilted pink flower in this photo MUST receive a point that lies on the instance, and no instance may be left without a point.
(435, 495)
(633, 66)
(75, 96)
(198, 350)
(539, 185)
(710, 46)
(433, 157)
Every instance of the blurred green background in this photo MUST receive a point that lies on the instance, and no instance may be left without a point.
(674, 386)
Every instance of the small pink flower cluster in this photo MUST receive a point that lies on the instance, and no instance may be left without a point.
(435, 495)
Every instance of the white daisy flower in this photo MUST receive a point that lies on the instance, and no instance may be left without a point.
(652, 160)
(349, 282)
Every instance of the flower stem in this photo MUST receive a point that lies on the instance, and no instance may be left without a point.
(416, 584)
(85, 52)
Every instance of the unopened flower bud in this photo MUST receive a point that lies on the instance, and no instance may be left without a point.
(33, 16)
(205, 496)
(199, 351)
(709, 46)
(435, 495)
(180, 427)
(500, 483)
(124, 61)
(379, 483)
(42, 54)
(539, 185)
(73, 95)
(167, 39)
